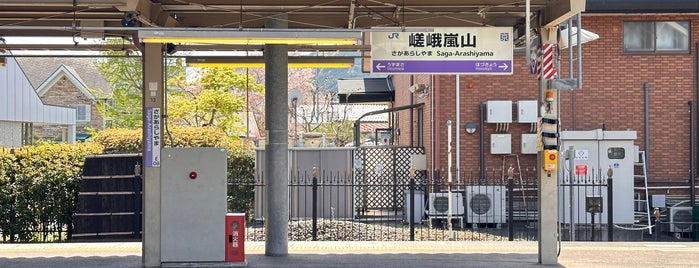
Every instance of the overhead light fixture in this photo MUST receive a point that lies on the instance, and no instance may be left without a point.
(585, 36)
(260, 37)
(259, 62)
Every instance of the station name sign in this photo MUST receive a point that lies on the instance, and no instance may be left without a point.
(445, 50)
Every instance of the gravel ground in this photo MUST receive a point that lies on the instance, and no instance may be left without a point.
(329, 230)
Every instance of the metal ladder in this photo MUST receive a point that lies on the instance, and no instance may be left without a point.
(645, 215)
(521, 181)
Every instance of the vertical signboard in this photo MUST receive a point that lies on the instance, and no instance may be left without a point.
(446, 50)
(153, 137)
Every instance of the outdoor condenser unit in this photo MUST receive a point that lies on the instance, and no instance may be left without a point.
(680, 218)
(439, 204)
(485, 204)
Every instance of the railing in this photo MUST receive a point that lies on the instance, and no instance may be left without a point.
(326, 207)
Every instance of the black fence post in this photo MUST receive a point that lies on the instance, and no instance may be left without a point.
(656, 216)
(510, 209)
(610, 209)
(314, 229)
(138, 205)
(412, 207)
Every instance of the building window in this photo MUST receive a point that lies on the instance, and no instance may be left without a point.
(656, 36)
(83, 113)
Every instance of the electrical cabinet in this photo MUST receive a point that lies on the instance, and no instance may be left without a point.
(498, 111)
(529, 144)
(595, 152)
(500, 143)
(193, 204)
(527, 111)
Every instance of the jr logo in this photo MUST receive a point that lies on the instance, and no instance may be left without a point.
(393, 36)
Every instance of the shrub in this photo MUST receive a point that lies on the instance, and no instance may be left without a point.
(241, 155)
(39, 186)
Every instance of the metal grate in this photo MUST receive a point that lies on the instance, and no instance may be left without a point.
(480, 204)
(379, 167)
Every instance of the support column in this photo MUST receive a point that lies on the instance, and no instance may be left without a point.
(277, 146)
(548, 181)
(152, 109)
(70, 134)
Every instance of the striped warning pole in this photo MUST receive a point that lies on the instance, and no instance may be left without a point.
(547, 57)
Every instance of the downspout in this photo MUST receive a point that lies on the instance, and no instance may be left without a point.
(646, 127)
(481, 171)
(432, 132)
(412, 101)
(692, 182)
(436, 124)
(691, 152)
(458, 131)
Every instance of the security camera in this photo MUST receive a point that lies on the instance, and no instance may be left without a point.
(418, 88)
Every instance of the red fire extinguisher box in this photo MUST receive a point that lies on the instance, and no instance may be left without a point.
(235, 237)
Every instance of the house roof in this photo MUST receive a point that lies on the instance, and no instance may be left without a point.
(19, 102)
(354, 111)
(70, 73)
(364, 90)
(39, 70)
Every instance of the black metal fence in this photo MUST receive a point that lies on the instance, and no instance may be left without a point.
(325, 207)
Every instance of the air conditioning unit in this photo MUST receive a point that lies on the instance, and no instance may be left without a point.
(485, 204)
(680, 219)
(439, 204)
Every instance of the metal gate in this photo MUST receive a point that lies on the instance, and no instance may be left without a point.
(381, 174)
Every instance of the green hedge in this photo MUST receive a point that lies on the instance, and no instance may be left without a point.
(241, 156)
(39, 184)
(38, 189)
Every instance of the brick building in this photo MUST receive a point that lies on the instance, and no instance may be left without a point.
(68, 82)
(637, 46)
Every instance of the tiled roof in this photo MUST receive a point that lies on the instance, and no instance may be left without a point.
(40, 69)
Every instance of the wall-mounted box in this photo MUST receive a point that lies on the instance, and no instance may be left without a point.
(500, 143)
(528, 144)
(526, 111)
(498, 112)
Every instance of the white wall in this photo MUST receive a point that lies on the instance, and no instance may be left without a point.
(19, 102)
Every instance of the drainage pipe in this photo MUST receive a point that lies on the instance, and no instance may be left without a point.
(692, 143)
(482, 139)
(646, 127)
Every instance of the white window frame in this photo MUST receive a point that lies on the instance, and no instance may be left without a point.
(86, 116)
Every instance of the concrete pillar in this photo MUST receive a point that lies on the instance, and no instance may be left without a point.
(277, 145)
(70, 135)
(548, 182)
(152, 112)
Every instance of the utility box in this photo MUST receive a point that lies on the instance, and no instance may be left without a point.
(595, 152)
(419, 199)
(235, 237)
(500, 143)
(529, 143)
(193, 205)
(498, 111)
(527, 111)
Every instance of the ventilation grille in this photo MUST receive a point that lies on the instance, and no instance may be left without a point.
(480, 204)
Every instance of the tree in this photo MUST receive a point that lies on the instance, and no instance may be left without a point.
(318, 110)
(125, 74)
(215, 98)
(339, 132)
